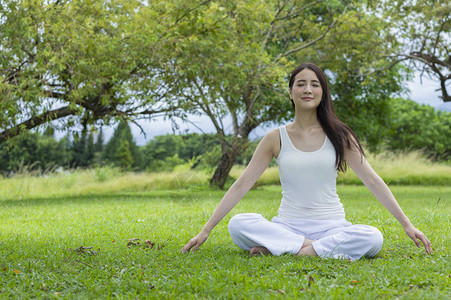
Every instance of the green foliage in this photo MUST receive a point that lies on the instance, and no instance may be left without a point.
(420, 127)
(33, 152)
(162, 147)
(123, 156)
(210, 159)
(96, 61)
(79, 151)
(166, 164)
(164, 152)
(238, 55)
(85, 152)
(121, 150)
(101, 61)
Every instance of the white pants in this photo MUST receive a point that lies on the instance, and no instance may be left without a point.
(333, 238)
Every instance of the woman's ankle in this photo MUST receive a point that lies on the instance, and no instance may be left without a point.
(259, 250)
(307, 251)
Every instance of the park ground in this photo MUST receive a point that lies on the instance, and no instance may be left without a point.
(103, 234)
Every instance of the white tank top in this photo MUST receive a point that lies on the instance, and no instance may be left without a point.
(308, 179)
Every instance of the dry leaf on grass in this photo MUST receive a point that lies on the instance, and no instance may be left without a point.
(310, 281)
(135, 242)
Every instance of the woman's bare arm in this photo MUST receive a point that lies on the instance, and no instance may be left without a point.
(380, 190)
(263, 155)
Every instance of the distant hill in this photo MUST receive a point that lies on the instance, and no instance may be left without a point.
(444, 106)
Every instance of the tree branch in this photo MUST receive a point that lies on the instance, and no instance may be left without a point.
(232, 113)
(268, 34)
(295, 14)
(207, 109)
(36, 121)
(188, 12)
(432, 61)
(329, 27)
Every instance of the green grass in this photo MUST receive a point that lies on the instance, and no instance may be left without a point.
(43, 221)
(95, 181)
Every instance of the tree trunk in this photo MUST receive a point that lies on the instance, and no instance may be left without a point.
(229, 155)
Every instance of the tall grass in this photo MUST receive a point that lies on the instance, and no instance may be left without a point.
(395, 168)
(406, 169)
(96, 181)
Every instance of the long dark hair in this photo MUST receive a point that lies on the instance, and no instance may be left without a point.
(338, 132)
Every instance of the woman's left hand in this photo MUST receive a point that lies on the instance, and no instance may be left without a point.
(417, 236)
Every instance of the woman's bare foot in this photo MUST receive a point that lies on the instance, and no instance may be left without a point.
(259, 250)
(307, 248)
(307, 243)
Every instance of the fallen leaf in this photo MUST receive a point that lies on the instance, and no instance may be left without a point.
(132, 242)
(354, 281)
(149, 244)
(16, 271)
(310, 281)
(282, 292)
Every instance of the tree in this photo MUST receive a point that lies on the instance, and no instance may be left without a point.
(237, 57)
(161, 147)
(90, 149)
(115, 148)
(78, 151)
(420, 127)
(423, 27)
(33, 151)
(81, 62)
(123, 156)
(97, 62)
(98, 147)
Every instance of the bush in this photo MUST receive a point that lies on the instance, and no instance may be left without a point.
(420, 127)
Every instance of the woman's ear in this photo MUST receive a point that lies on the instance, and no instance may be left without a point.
(289, 93)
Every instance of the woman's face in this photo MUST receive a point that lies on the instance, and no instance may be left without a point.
(306, 91)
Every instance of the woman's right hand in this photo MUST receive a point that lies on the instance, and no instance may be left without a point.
(196, 242)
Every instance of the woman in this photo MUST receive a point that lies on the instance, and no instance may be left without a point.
(309, 152)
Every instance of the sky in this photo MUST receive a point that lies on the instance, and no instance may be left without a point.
(422, 90)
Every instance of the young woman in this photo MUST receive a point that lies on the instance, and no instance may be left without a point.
(309, 152)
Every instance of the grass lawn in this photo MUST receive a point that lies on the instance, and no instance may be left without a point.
(40, 254)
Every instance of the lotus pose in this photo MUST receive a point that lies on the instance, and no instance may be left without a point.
(309, 152)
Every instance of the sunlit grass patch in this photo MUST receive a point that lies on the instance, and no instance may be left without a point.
(39, 238)
(404, 169)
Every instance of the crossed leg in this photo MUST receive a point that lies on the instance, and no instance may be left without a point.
(257, 235)
(307, 249)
